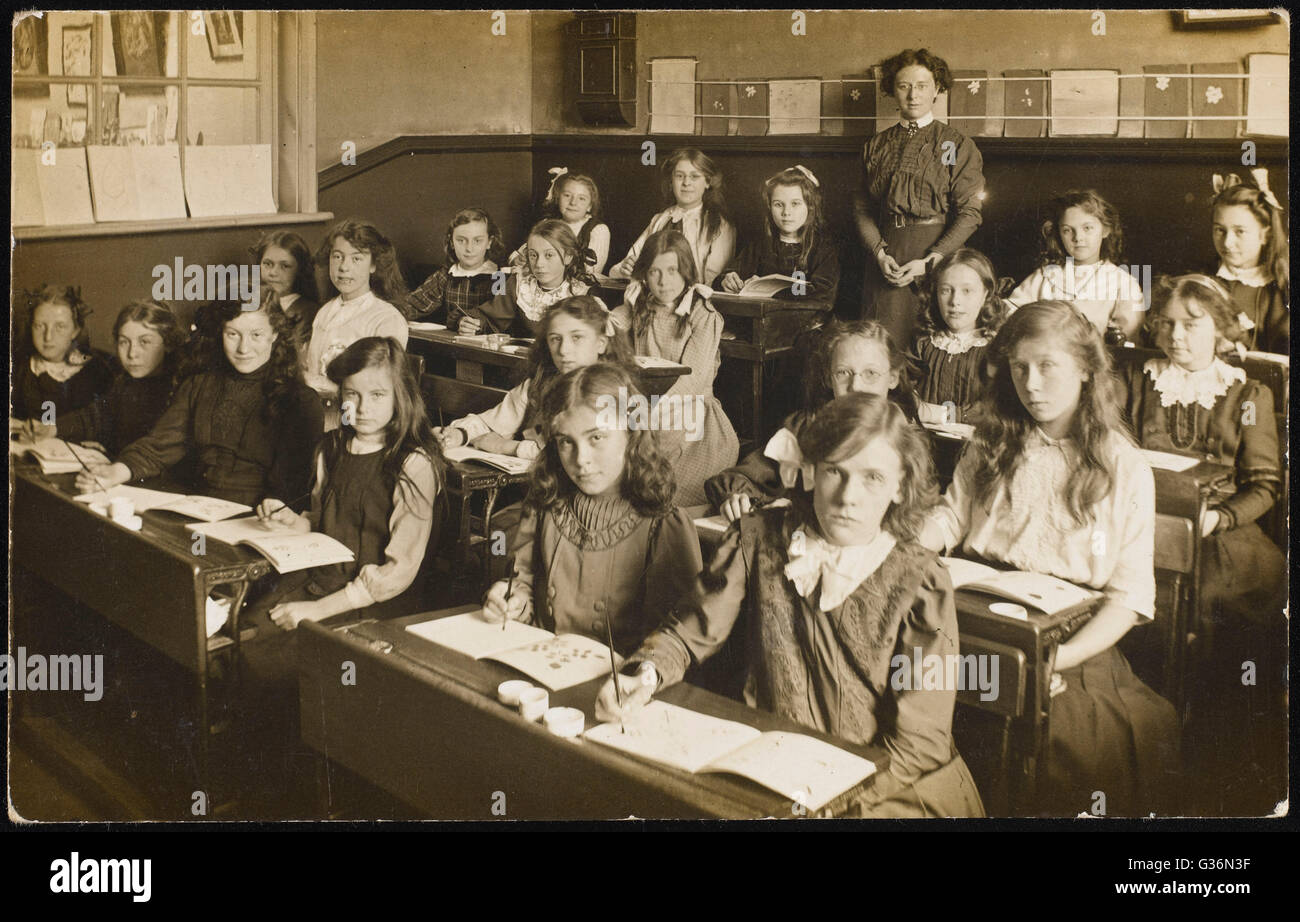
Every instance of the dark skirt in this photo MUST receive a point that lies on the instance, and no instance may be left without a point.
(1112, 736)
(948, 791)
(896, 308)
(1243, 568)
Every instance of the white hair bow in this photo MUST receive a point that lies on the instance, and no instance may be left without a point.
(688, 298)
(783, 448)
(610, 326)
(1260, 175)
(556, 172)
(807, 172)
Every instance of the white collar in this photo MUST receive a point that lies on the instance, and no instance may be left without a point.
(1255, 276)
(920, 122)
(838, 570)
(60, 371)
(958, 343)
(678, 213)
(487, 267)
(357, 302)
(1177, 385)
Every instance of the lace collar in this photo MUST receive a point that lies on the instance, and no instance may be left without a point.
(1177, 385)
(958, 343)
(60, 371)
(1254, 277)
(533, 299)
(838, 570)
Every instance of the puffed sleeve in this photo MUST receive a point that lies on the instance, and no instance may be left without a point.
(409, 526)
(393, 324)
(675, 562)
(721, 249)
(951, 518)
(505, 419)
(965, 198)
(599, 243)
(427, 300)
(525, 538)
(700, 622)
(921, 738)
(1132, 583)
(700, 352)
(1258, 474)
(171, 437)
(1028, 291)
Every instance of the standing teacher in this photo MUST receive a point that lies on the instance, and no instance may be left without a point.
(921, 194)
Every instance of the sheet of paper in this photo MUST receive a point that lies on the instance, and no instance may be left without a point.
(807, 770)
(714, 525)
(65, 188)
(672, 95)
(1084, 102)
(229, 179)
(794, 106)
(232, 531)
(159, 190)
(508, 463)
(471, 635)
(1168, 461)
(1036, 590)
(207, 508)
(425, 327)
(25, 208)
(559, 662)
(289, 553)
(654, 361)
(967, 571)
(675, 736)
(1268, 94)
(142, 499)
(112, 184)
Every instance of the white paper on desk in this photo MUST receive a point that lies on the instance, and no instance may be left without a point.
(228, 179)
(471, 635)
(56, 456)
(672, 95)
(1167, 461)
(233, 531)
(794, 106)
(421, 327)
(962, 431)
(671, 735)
(1268, 94)
(559, 662)
(508, 463)
(809, 771)
(654, 361)
(206, 508)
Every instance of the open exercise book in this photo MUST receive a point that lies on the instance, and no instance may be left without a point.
(557, 661)
(805, 769)
(1046, 593)
(286, 549)
(508, 463)
(768, 286)
(207, 508)
(56, 456)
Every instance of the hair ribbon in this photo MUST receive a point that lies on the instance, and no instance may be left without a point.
(809, 173)
(556, 172)
(783, 448)
(1260, 175)
(688, 298)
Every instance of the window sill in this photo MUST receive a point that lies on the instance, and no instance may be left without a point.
(129, 228)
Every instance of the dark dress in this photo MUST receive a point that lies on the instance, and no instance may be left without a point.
(948, 377)
(832, 670)
(916, 204)
(821, 268)
(125, 412)
(1239, 564)
(1266, 309)
(242, 452)
(31, 391)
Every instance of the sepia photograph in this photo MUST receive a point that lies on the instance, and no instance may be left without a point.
(528, 416)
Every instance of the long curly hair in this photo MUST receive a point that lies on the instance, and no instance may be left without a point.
(665, 241)
(208, 355)
(814, 229)
(409, 430)
(386, 281)
(844, 426)
(919, 57)
(648, 481)
(560, 235)
(714, 211)
(992, 312)
(1052, 251)
(159, 318)
(541, 368)
(1202, 295)
(817, 377)
(67, 295)
(1274, 254)
(1002, 423)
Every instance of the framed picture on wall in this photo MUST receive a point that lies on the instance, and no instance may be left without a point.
(140, 43)
(76, 60)
(224, 39)
(31, 49)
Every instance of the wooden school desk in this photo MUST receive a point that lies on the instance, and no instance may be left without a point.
(762, 329)
(422, 722)
(476, 364)
(149, 582)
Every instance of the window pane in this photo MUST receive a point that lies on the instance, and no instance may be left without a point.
(227, 48)
(140, 44)
(50, 113)
(223, 115)
(134, 115)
